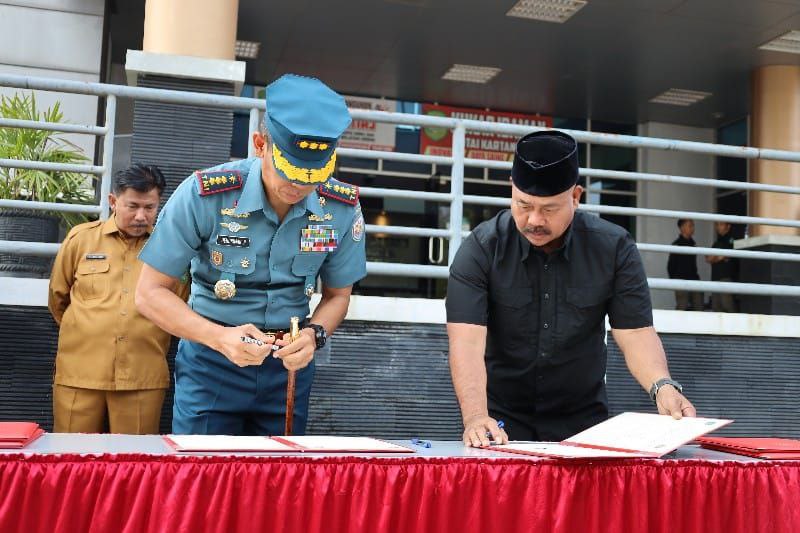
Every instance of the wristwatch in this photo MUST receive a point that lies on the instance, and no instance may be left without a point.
(660, 383)
(320, 335)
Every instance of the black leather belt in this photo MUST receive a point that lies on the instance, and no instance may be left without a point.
(259, 286)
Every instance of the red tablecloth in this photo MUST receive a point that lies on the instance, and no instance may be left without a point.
(144, 493)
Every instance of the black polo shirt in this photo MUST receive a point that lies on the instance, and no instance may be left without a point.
(728, 268)
(545, 314)
(682, 266)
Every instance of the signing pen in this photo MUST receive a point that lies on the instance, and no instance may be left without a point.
(500, 424)
(251, 340)
(419, 442)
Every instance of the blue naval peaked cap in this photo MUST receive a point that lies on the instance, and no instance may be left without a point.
(305, 118)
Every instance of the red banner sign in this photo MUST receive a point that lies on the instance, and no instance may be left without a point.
(479, 145)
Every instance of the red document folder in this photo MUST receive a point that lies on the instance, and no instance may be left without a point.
(19, 434)
(761, 447)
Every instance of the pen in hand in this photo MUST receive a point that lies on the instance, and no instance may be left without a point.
(251, 340)
(500, 424)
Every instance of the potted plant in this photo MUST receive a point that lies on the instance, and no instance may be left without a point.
(37, 185)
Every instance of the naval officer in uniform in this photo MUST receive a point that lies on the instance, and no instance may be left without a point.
(255, 235)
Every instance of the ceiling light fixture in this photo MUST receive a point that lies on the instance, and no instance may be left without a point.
(680, 97)
(471, 73)
(788, 42)
(247, 49)
(546, 10)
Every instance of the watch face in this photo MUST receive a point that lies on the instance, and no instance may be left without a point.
(319, 335)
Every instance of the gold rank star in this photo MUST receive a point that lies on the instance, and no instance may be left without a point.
(245, 263)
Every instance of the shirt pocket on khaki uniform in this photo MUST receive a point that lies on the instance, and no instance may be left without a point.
(92, 280)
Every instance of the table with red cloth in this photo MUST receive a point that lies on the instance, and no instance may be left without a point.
(123, 483)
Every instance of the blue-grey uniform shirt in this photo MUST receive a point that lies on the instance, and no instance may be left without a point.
(236, 235)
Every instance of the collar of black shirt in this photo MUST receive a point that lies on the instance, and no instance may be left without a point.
(563, 249)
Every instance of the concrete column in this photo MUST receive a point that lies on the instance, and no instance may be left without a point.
(200, 28)
(188, 46)
(775, 123)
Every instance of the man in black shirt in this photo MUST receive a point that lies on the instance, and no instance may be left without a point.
(723, 269)
(682, 266)
(527, 298)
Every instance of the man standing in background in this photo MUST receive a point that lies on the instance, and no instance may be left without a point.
(111, 369)
(684, 266)
(723, 269)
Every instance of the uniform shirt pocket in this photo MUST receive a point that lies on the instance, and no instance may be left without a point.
(307, 264)
(586, 308)
(588, 296)
(512, 316)
(92, 279)
(515, 297)
(239, 262)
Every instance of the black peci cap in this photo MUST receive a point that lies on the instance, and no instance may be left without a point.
(545, 163)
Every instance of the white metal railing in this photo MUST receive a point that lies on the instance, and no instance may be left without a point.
(455, 198)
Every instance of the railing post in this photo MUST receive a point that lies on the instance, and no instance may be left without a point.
(108, 155)
(253, 127)
(457, 190)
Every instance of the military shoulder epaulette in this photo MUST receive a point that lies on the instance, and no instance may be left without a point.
(212, 182)
(339, 190)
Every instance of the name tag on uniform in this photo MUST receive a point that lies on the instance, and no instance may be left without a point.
(318, 238)
(95, 256)
(233, 240)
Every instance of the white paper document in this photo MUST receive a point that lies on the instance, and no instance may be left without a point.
(226, 443)
(625, 435)
(325, 443)
(556, 449)
(309, 443)
(642, 432)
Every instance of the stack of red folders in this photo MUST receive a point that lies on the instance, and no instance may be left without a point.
(761, 447)
(19, 434)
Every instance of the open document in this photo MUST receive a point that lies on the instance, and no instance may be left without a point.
(625, 435)
(315, 443)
